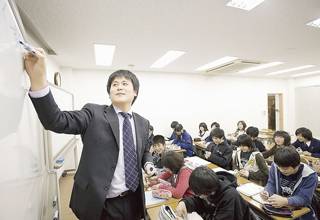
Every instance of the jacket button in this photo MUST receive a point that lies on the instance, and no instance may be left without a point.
(106, 188)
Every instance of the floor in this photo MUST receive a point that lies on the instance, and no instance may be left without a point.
(66, 184)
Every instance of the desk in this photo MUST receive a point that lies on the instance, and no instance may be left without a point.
(310, 158)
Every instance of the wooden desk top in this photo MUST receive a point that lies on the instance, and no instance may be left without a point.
(310, 158)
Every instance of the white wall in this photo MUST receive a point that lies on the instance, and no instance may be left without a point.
(189, 99)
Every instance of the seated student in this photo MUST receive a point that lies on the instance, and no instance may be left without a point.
(212, 126)
(177, 174)
(183, 139)
(281, 139)
(310, 146)
(249, 162)
(253, 132)
(241, 129)
(219, 152)
(290, 182)
(216, 197)
(150, 136)
(173, 126)
(158, 149)
(203, 131)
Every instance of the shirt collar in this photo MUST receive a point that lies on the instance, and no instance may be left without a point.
(119, 110)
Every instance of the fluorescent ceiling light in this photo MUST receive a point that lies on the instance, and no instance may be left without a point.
(104, 54)
(217, 63)
(306, 74)
(262, 66)
(289, 70)
(244, 4)
(315, 23)
(168, 58)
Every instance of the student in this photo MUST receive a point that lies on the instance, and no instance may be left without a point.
(290, 182)
(203, 131)
(253, 132)
(249, 162)
(177, 174)
(219, 152)
(216, 197)
(183, 139)
(241, 129)
(281, 139)
(158, 149)
(173, 126)
(212, 126)
(106, 185)
(309, 145)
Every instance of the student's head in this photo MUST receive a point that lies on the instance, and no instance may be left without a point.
(204, 181)
(253, 132)
(316, 166)
(287, 159)
(173, 161)
(203, 127)
(123, 87)
(159, 144)
(303, 134)
(245, 143)
(150, 130)
(281, 138)
(217, 135)
(178, 129)
(214, 125)
(174, 124)
(241, 126)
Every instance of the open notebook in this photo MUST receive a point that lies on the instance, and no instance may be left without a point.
(250, 189)
(194, 162)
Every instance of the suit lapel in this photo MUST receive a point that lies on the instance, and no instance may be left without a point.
(138, 127)
(113, 120)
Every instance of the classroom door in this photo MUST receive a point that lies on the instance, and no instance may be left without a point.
(275, 112)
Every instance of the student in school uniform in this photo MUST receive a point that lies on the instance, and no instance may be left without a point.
(212, 126)
(253, 132)
(281, 139)
(177, 174)
(173, 126)
(249, 162)
(203, 131)
(157, 150)
(290, 182)
(309, 145)
(183, 139)
(219, 151)
(216, 197)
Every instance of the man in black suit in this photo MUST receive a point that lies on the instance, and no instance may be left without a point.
(108, 183)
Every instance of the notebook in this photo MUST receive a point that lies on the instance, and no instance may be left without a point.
(250, 189)
(258, 198)
(194, 162)
(219, 169)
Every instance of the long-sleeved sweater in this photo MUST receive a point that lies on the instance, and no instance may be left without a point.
(314, 147)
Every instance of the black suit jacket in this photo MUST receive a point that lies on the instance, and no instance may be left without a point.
(99, 129)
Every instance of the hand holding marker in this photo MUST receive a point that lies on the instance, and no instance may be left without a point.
(28, 47)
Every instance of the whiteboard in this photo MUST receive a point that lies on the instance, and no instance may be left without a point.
(22, 166)
(307, 107)
(64, 100)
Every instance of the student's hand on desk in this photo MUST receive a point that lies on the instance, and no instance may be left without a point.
(306, 153)
(278, 201)
(207, 154)
(244, 173)
(264, 195)
(181, 210)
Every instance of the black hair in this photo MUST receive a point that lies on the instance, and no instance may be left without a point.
(243, 123)
(204, 181)
(252, 131)
(217, 133)
(178, 128)
(174, 124)
(245, 140)
(204, 125)
(305, 132)
(128, 75)
(173, 161)
(285, 135)
(159, 139)
(216, 124)
(287, 157)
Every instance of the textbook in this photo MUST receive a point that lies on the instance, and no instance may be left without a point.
(250, 189)
(194, 162)
(258, 198)
(219, 169)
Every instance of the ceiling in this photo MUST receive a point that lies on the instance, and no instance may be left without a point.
(143, 30)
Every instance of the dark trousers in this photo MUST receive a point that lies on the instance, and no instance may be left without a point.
(123, 208)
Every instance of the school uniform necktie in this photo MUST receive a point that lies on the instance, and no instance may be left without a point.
(130, 154)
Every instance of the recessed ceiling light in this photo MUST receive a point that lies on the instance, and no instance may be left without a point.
(315, 23)
(167, 58)
(289, 70)
(306, 74)
(244, 4)
(262, 66)
(104, 54)
(216, 63)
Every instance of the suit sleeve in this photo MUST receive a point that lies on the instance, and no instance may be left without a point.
(146, 157)
(53, 119)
